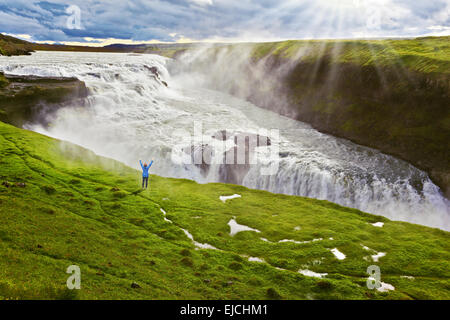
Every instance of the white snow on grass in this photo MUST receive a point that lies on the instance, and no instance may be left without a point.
(225, 198)
(377, 256)
(187, 233)
(339, 255)
(164, 213)
(385, 287)
(293, 241)
(256, 259)
(408, 277)
(378, 224)
(198, 244)
(297, 228)
(300, 242)
(236, 227)
(309, 273)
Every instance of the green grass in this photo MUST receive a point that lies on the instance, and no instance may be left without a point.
(78, 208)
(427, 55)
(3, 81)
(12, 46)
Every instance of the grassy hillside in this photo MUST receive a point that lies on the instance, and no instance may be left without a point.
(391, 95)
(63, 205)
(10, 46)
(427, 55)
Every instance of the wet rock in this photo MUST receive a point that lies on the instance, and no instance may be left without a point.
(236, 161)
(20, 184)
(30, 99)
(153, 70)
(201, 157)
(134, 285)
(206, 280)
(236, 168)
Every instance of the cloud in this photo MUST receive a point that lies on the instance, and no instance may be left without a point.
(202, 2)
(223, 20)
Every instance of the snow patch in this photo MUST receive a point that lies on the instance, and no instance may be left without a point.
(300, 242)
(198, 244)
(256, 259)
(385, 287)
(309, 273)
(236, 227)
(164, 213)
(225, 198)
(339, 255)
(408, 277)
(378, 224)
(377, 256)
(297, 228)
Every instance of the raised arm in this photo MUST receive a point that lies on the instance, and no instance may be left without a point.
(150, 164)
(142, 166)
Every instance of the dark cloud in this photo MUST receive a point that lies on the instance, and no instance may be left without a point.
(235, 19)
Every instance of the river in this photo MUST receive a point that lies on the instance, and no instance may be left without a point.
(130, 114)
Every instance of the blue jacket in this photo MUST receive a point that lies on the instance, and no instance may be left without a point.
(145, 169)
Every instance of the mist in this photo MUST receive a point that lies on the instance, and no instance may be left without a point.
(131, 115)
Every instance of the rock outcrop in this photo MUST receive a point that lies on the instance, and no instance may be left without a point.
(235, 162)
(26, 99)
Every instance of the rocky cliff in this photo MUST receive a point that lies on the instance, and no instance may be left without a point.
(391, 95)
(31, 99)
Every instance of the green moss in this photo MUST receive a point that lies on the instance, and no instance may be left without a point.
(3, 81)
(42, 234)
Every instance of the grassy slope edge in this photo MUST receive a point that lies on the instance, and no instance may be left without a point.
(78, 208)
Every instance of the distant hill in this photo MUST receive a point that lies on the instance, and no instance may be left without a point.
(10, 46)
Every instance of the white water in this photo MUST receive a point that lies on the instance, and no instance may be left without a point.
(130, 115)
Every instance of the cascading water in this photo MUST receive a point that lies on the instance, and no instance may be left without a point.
(130, 114)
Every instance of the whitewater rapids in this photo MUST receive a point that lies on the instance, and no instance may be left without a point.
(130, 115)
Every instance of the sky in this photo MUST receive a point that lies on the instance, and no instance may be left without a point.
(102, 22)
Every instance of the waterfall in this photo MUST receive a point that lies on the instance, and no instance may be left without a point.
(135, 108)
